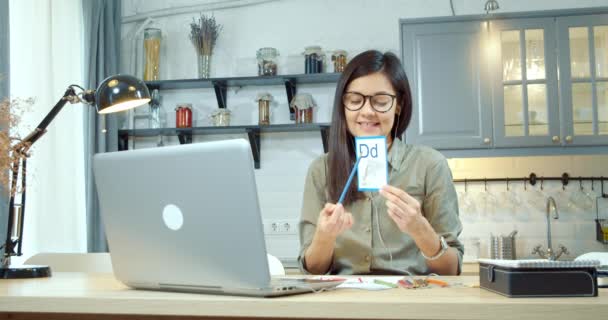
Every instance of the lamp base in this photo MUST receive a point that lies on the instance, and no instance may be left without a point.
(24, 272)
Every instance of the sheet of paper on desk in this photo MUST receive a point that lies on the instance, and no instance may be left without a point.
(372, 172)
(363, 286)
(368, 283)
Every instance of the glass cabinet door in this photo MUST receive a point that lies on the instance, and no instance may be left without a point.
(525, 82)
(583, 61)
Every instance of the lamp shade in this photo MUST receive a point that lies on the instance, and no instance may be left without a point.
(119, 93)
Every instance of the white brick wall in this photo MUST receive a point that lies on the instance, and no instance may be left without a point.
(353, 26)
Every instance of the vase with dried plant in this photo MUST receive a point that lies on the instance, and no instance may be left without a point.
(203, 35)
(11, 111)
(13, 154)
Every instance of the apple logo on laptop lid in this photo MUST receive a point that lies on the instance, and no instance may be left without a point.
(173, 217)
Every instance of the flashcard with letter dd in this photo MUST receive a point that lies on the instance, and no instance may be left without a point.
(372, 172)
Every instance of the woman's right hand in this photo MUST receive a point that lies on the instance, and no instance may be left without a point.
(333, 220)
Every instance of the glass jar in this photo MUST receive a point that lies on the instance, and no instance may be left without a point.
(303, 105)
(156, 115)
(602, 230)
(267, 61)
(220, 117)
(472, 249)
(152, 37)
(304, 115)
(183, 115)
(264, 112)
(313, 59)
(339, 59)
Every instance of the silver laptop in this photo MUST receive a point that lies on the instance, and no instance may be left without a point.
(187, 218)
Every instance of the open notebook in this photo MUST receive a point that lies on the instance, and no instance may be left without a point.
(541, 263)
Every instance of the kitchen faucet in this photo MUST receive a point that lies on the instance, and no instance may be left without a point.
(549, 254)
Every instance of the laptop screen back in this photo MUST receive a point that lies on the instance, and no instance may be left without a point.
(183, 215)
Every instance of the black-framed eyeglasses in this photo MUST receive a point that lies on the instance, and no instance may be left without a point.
(381, 102)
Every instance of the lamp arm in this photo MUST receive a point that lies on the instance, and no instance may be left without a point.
(68, 96)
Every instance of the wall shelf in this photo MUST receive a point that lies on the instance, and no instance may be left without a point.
(253, 132)
(220, 85)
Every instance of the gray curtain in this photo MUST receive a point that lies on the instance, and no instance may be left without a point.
(4, 93)
(102, 24)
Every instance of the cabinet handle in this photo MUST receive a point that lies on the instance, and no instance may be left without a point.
(487, 140)
(555, 139)
(568, 139)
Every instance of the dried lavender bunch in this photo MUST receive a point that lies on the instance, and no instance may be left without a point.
(204, 34)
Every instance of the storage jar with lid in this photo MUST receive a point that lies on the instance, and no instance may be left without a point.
(313, 59)
(267, 61)
(264, 100)
(152, 38)
(220, 117)
(183, 115)
(303, 105)
(339, 59)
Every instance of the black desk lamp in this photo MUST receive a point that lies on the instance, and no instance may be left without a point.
(116, 93)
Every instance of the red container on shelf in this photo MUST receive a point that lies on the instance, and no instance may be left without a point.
(183, 116)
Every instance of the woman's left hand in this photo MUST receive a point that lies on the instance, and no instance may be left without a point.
(404, 209)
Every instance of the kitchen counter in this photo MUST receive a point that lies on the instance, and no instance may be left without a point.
(470, 269)
(101, 296)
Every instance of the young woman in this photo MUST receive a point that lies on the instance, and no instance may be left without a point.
(412, 224)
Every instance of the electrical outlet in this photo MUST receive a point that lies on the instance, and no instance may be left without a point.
(281, 227)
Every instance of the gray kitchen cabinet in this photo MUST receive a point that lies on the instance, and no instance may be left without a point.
(583, 61)
(524, 78)
(448, 74)
(501, 84)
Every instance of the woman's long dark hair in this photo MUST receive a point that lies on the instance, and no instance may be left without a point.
(341, 155)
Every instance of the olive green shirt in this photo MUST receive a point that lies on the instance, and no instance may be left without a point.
(366, 248)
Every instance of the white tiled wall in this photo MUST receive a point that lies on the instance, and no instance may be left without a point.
(575, 227)
(354, 26)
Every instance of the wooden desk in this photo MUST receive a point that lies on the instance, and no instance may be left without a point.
(100, 296)
(468, 269)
